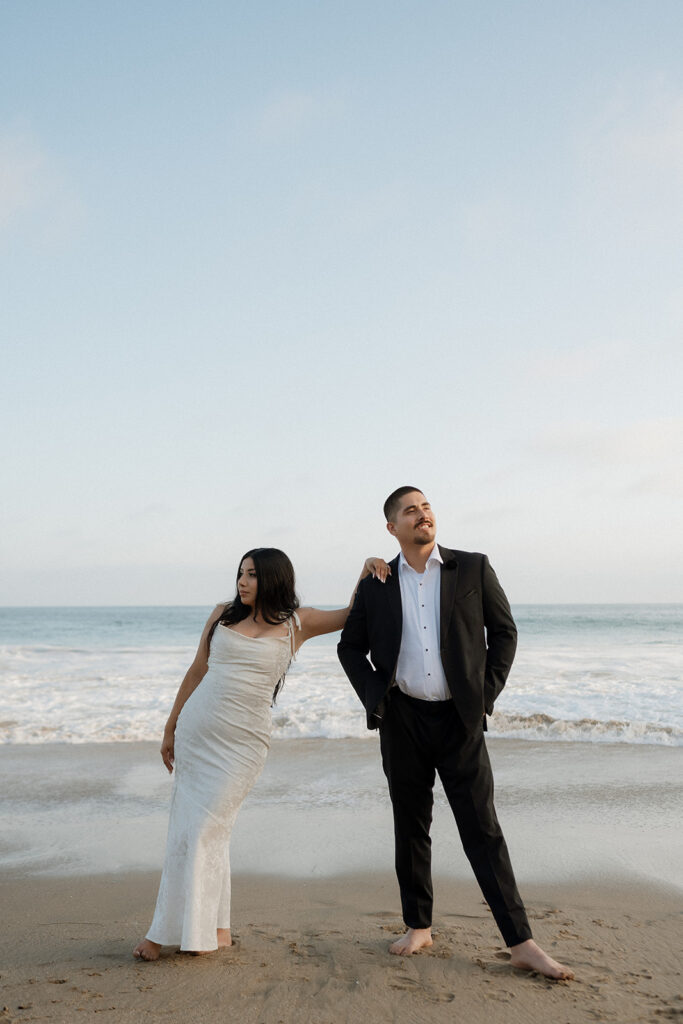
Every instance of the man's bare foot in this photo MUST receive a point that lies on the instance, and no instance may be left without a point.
(147, 950)
(414, 939)
(223, 940)
(527, 956)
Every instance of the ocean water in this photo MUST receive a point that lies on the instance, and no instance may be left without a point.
(585, 673)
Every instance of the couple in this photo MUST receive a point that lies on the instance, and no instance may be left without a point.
(427, 642)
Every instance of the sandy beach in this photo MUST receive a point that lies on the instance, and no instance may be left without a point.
(592, 832)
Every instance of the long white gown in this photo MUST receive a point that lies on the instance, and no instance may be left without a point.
(221, 742)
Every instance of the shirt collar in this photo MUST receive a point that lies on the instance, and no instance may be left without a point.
(434, 558)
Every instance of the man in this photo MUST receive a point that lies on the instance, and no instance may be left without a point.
(441, 640)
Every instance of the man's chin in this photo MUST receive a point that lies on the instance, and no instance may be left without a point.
(424, 541)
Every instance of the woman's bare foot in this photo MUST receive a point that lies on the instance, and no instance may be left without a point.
(527, 956)
(223, 939)
(414, 939)
(147, 950)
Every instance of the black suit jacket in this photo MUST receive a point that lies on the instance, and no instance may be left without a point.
(478, 636)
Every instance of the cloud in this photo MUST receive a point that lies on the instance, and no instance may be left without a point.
(579, 363)
(22, 175)
(640, 458)
(374, 208)
(630, 155)
(486, 220)
(653, 483)
(490, 514)
(290, 113)
(153, 510)
(287, 115)
(34, 192)
(647, 135)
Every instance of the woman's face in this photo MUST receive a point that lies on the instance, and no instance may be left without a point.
(247, 584)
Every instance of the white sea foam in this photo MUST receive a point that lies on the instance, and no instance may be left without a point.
(581, 691)
(543, 727)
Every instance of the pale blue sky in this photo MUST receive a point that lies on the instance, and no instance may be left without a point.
(262, 263)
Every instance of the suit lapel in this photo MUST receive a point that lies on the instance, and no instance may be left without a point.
(449, 580)
(393, 597)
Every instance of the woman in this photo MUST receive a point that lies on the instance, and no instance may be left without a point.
(218, 735)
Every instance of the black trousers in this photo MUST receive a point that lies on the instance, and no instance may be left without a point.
(419, 738)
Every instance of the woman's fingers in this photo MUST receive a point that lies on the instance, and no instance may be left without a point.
(382, 570)
(379, 568)
(167, 756)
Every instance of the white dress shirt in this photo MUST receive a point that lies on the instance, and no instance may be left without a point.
(419, 671)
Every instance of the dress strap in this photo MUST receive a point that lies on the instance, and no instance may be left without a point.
(293, 621)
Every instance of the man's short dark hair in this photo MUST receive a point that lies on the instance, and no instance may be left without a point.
(392, 502)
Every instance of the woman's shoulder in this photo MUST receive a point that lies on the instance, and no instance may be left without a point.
(217, 613)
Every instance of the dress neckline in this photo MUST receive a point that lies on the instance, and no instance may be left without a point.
(246, 637)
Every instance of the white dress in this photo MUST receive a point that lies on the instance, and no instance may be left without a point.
(221, 742)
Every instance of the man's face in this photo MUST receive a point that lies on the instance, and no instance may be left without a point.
(414, 522)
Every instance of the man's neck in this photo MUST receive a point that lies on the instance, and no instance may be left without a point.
(417, 556)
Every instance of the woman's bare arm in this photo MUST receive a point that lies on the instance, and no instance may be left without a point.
(193, 678)
(316, 622)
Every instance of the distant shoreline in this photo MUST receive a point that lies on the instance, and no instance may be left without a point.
(514, 604)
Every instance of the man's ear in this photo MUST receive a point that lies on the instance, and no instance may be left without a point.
(391, 528)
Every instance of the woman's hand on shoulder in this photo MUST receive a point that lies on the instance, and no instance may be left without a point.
(378, 568)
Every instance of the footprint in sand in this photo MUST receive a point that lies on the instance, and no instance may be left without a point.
(439, 997)
(309, 952)
(670, 1013)
(406, 985)
(470, 917)
(542, 915)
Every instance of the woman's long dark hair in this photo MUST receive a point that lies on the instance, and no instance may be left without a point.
(276, 599)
